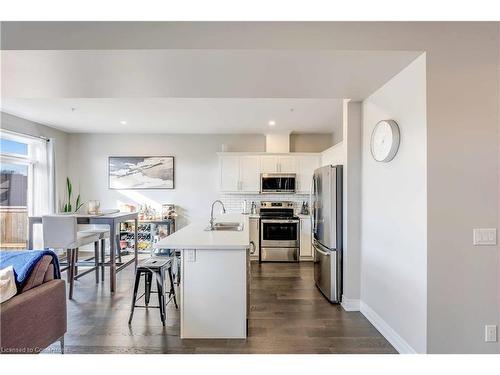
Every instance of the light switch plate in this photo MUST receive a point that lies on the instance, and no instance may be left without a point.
(191, 255)
(485, 236)
(490, 333)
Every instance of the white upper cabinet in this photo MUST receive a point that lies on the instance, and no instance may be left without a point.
(269, 164)
(250, 174)
(305, 166)
(277, 164)
(229, 173)
(286, 164)
(239, 174)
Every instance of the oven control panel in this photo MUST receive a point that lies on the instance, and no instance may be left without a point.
(276, 204)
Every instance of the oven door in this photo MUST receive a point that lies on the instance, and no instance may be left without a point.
(279, 233)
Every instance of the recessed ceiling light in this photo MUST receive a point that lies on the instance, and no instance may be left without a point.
(123, 122)
(272, 123)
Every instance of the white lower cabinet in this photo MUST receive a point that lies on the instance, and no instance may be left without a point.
(305, 238)
(213, 301)
(254, 230)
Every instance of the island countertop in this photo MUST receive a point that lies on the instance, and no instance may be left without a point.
(194, 236)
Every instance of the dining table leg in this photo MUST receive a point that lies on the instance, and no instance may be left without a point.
(112, 257)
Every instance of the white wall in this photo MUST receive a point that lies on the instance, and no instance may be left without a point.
(279, 142)
(317, 142)
(196, 168)
(394, 210)
(352, 204)
(60, 138)
(333, 155)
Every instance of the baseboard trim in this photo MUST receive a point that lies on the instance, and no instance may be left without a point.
(386, 330)
(349, 304)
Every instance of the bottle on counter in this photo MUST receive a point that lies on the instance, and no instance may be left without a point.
(244, 208)
(305, 208)
(253, 209)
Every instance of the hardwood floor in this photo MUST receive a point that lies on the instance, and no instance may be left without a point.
(288, 315)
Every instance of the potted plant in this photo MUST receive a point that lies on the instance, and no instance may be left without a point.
(68, 207)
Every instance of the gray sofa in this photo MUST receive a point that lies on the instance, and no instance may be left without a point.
(36, 317)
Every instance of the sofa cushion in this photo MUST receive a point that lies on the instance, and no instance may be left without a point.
(49, 275)
(37, 276)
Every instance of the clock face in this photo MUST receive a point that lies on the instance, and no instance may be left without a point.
(385, 140)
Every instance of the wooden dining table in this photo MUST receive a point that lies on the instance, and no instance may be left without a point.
(113, 220)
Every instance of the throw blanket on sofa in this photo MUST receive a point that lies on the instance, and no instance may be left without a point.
(8, 287)
(24, 261)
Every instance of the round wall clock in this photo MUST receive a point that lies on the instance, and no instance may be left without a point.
(384, 142)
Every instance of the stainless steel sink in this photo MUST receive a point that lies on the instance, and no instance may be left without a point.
(226, 226)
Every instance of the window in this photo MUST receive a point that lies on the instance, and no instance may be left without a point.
(24, 164)
(14, 185)
(13, 148)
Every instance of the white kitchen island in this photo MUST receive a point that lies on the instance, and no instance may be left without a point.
(214, 273)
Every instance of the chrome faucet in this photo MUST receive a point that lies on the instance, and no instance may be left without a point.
(212, 213)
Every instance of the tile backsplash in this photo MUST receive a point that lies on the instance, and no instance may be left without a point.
(234, 202)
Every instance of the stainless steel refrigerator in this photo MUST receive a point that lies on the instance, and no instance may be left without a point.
(326, 216)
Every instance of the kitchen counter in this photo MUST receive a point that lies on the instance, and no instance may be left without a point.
(194, 236)
(214, 287)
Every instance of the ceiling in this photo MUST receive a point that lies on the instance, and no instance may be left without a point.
(199, 73)
(191, 91)
(181, 115)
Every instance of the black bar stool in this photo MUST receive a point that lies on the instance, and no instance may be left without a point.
(148, 267)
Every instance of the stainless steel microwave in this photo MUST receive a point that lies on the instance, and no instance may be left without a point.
(282, 183)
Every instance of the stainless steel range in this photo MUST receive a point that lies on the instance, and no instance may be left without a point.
(279, 232)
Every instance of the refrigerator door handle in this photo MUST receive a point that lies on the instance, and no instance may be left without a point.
(312, 204)
(311, 210)
(321, 251)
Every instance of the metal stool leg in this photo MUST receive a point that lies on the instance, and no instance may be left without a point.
(103, 257)
(178, 263)
(136, 287)
(71, 271)
(96, 261)
(61, 340)
(76, 261)
(172, 289)
(161, 295)
(148, 278)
